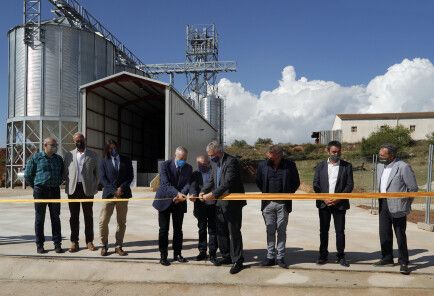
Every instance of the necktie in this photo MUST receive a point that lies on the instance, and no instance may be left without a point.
(116, 164)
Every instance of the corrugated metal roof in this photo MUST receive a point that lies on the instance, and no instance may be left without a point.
(393, 116)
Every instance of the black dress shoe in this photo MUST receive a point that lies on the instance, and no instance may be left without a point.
(322, 261)
(343, 262)
(268, 262)
(180, 259)
(58, 249)
(236, 268)
(404, 269)
(202, 256)
(213, 259)
(223, 261)
(40, 250)
(164, 262)
(282, 263)
(384, 263)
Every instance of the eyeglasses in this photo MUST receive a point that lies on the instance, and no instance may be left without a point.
(53, 145)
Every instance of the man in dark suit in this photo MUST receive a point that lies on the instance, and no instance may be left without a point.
(276, 175)
(175, 176)
(333, 175)
(225, 179)
(204, 211)
(116, 175)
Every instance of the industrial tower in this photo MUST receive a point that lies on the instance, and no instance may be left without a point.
(201, 68)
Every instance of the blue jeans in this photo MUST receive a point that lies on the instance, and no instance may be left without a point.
(44, 192)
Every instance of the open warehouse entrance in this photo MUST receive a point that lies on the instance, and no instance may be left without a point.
(148, 118)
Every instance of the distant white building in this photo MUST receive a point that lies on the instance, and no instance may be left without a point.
(352, 128)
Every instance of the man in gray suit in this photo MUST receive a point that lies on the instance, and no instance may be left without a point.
(394, 175)
(81, 175)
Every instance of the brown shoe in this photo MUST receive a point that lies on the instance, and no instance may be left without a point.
(91, 247)
(120, 252)
(74, 247)
(104, 251)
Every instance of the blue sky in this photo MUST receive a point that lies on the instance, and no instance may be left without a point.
(348, 42)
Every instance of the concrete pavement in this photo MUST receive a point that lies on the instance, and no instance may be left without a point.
(18, 258)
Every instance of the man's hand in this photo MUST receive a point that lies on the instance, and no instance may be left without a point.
(192, 198)
(179, 198)
(208, 196)
(331, 202)
(119, 192)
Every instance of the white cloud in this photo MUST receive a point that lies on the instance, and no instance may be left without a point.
(290, 112)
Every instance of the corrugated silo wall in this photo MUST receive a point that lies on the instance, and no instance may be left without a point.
(185, 127)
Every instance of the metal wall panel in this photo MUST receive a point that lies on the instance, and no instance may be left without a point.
(52, 71)
(70, 59)
(20, 72)
(34, 80)
(95, 121)
(187, 128)
(110, 59)
(95, 139)
(12, 55)
(111, 126)
(101, 58)
(87, 57)
(95, 103)
(111, 109)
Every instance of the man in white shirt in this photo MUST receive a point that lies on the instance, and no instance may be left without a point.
(333, 175)
(394, 175)
(81, 174)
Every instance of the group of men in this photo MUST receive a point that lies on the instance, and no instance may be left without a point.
(82, 172)
(217, 175)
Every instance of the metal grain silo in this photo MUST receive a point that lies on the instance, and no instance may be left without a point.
(44, 82)
(212, 109)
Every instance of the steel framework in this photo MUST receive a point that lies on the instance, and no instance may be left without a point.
(32, 22)
(201, 66)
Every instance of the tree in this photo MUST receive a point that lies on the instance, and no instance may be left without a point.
(239, 143)
(430, 138)
(264, 141)
(398, 136)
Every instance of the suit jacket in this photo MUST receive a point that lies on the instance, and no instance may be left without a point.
(230, 182)
(89, 173)
(291, 180)
(344, 184)
(171, 183)
(111, 179)
(401, 179)
(195, 188)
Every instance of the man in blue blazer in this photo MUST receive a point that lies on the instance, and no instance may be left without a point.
(116, 175)
(175, 176)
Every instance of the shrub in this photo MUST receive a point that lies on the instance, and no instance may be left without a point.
(399, 136)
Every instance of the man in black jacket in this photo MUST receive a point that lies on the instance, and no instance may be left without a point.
(204, 211)
(276, 175)
(225, 179)
(333, 175)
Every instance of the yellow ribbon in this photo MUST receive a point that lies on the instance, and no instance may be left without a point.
(244, 196)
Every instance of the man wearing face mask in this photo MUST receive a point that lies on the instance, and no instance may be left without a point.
(333, 175)
(276, 175)
(394, 175)
(204, 211)
(81, 176)
(116, 174)
(226, 179)
(44, 173)
(170, 200)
